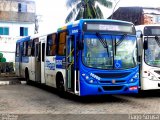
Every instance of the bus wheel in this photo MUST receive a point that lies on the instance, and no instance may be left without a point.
(60, 84)
(27, 76)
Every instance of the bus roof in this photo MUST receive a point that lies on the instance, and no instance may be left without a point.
(76, 23)
(40, 35)
(23, 39)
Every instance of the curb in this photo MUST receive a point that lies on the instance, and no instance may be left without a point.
(12, 82)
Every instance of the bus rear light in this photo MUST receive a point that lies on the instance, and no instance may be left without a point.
(133, 88)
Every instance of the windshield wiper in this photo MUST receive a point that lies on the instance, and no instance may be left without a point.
(104, 42)
(119, 42)
(157, 40)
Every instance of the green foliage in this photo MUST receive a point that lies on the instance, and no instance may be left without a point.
(1, 55)
(86, 9)
(2, 59)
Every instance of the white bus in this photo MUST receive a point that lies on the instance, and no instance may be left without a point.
(149, 43)
(30, 55)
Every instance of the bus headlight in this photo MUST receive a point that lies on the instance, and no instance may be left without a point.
(131, 80)
(152, 77)
(135, 77)
(88, 79)
(91, 81)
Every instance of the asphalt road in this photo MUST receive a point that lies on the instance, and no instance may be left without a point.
(27, 99)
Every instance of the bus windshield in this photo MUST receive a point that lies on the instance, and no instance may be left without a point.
(114, 56)
(152, 54)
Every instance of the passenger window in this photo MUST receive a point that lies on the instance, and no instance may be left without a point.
(33, 46)
(62, 43)
(25, 46)
(29, 48)
(51, 45)
(17, 49)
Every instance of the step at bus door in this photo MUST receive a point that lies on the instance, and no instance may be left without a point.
(38, 62)
(70, 74)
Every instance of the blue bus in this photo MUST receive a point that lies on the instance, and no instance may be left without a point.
(87, 57)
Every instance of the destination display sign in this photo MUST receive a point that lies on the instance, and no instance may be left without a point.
(152, 31)
(109, 27)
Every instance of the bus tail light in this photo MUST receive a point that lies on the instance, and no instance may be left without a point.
(133, 88)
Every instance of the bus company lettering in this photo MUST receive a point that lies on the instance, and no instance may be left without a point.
(95, 76)
(58, 62)
(75, 31)
(49, 65)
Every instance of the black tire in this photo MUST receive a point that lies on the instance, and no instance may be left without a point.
(27, 77)
(60, 84)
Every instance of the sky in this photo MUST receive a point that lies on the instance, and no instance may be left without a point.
(52, 13)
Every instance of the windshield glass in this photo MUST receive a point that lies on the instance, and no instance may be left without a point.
(152, 54)
(126, 52)
(96, 55)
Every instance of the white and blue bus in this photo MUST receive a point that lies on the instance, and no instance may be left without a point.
(149, 50)
(86, 57)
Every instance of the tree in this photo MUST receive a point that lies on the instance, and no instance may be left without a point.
(86, 9)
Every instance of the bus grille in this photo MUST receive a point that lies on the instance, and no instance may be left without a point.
(110, 82)
(110, 88)
(112, 75)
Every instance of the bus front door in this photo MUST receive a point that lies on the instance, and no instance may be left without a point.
(38, 62)
(70, 75)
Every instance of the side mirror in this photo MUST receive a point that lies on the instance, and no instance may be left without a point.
(145, 45)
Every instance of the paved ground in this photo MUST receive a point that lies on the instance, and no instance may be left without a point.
(29, 102)
(25, 99)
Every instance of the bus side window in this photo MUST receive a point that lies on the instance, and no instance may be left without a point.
(29, 48)
(17, 49)
(33, 46)
(38, 52)
(62, 43)
(25, 46)
(51, 45)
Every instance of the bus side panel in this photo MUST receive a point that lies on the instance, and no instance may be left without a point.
(24, 65)
(17, 65)
(32, 68)
(50, 73)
